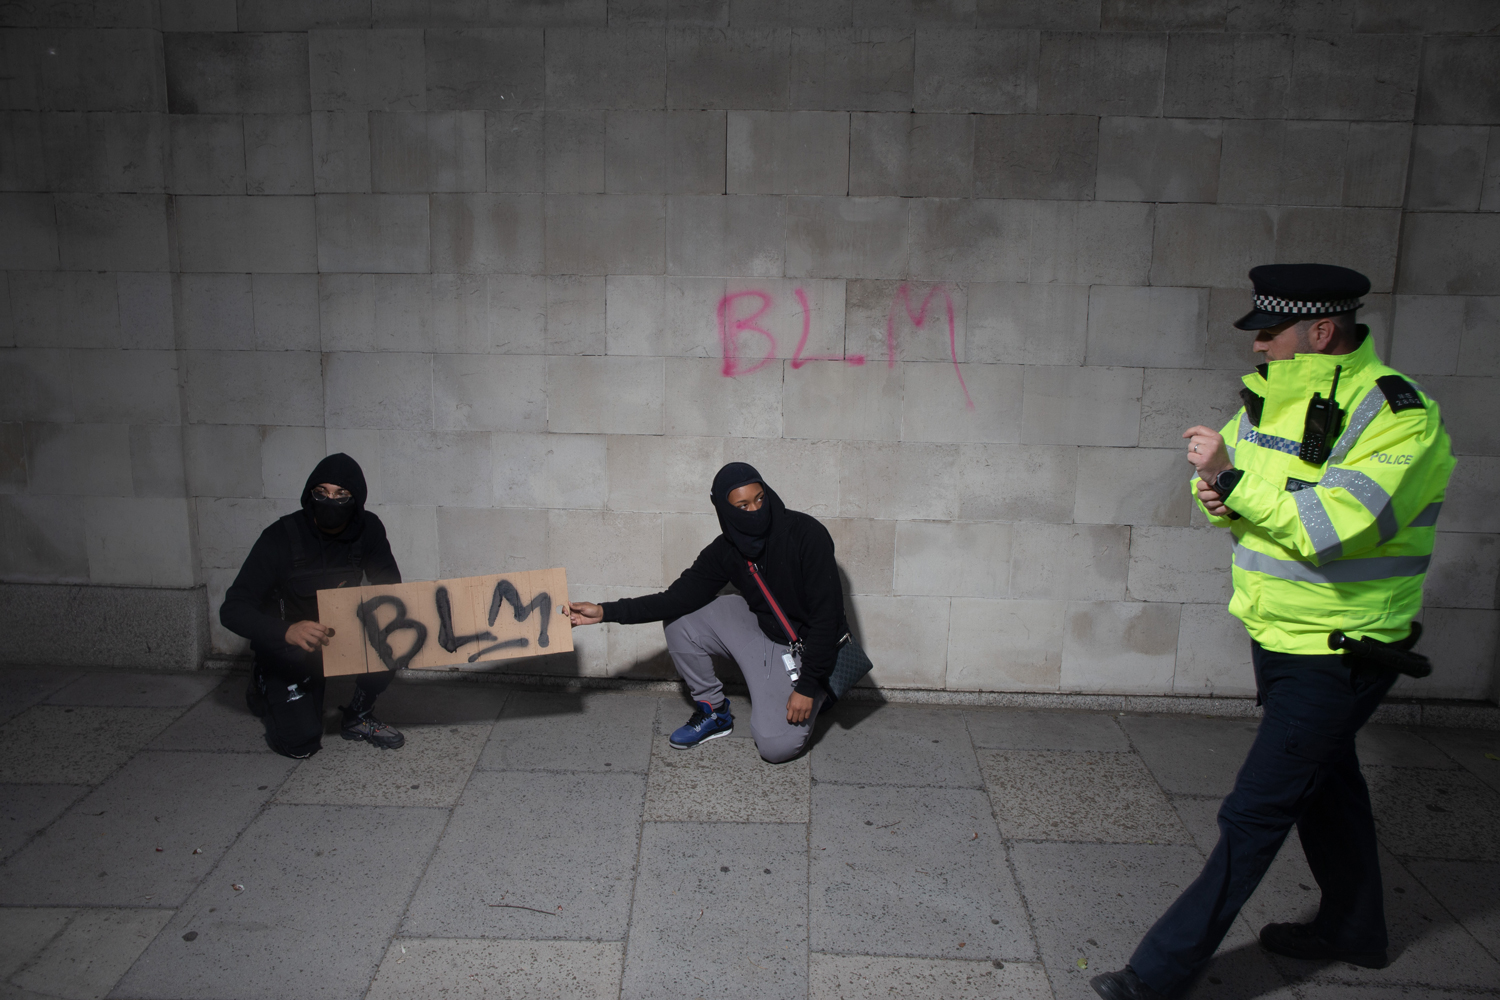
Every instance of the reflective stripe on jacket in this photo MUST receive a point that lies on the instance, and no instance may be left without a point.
(1344, 545)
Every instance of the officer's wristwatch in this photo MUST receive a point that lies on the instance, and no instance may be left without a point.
(1226, 481)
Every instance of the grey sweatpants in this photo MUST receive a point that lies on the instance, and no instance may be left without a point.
(727, 627)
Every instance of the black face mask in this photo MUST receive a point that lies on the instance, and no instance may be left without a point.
(331, 515)
(747, 530)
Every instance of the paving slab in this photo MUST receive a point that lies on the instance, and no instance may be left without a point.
(599, 731)
(899, 745)
(25, 931)
(220, 722)
(430, 770)
(428, 703)
(1435, 814)
(837, 977)
(9, 992)
(516, 970)
(1367, 991)
(539, 840)
(1468, 890)
(90, 955)
(1092, 903)
(1399, 746)
(1477, 750)
(725, 781)
(912, 872)
(1063, 795)
(25, 809)
(1189, 755)
(26, 686)
(54, 745)
(1023, 729)
(1427, 945)
(1223, 978)
(111, 688)
(720, 911)
(104, 850)
(315, 913)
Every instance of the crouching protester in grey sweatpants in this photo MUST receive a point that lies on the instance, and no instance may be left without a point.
(792, 555)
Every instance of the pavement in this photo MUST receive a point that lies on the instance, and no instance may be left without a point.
(535, 843)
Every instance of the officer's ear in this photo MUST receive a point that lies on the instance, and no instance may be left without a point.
(1321, 333)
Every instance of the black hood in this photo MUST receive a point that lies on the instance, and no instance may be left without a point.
(340, 470)
(747, 531)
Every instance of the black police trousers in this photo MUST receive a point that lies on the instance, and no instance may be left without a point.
(1302, 771)
(294, 717)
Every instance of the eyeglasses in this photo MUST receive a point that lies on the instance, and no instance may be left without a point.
(341, 497)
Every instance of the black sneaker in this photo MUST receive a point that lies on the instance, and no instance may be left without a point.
(1301, 941)
(370, 729)
(1123, 985)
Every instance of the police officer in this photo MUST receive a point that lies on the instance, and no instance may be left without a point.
(1330, 479)
(331, 542)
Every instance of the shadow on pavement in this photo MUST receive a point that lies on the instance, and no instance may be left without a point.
(1241, 973)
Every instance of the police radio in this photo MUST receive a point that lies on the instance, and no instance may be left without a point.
(1321, 426)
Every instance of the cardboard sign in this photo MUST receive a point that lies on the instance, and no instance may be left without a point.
(434, 624)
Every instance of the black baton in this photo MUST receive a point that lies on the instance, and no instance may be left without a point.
(1395, 657)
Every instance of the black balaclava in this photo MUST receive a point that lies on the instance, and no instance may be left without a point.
(339, 519)
(746, 530)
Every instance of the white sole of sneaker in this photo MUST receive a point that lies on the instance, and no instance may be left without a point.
(689, 746)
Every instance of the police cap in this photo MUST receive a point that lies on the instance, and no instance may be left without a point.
(1302, 291)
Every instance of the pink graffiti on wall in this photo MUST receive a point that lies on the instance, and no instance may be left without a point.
(731, 326)
(919, 320)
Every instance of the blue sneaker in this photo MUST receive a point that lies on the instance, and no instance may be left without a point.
(707, 723)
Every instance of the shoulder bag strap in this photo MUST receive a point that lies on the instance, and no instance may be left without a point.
(786, 625)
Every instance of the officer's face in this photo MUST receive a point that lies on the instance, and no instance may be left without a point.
(1282, 343)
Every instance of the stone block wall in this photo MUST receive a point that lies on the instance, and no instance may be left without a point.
(954, 275)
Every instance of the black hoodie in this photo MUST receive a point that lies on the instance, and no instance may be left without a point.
(292, 560)
(797, 565)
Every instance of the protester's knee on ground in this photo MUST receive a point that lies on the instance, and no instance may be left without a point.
(782, 748)
(297, 734)
(297, 746)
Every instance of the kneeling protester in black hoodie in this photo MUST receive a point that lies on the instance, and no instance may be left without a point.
(331, 542)
(765, 549)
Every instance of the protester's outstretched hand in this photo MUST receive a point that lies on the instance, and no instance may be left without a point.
(584, 613)
(308, 636)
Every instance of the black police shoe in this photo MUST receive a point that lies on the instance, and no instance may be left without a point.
(1123, 985)
(370, 729)
(1301, 941)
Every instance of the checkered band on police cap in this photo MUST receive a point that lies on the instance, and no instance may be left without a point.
(1292, 307)
(1302, 291)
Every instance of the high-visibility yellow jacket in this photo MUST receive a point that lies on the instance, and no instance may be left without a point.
(1343, 545)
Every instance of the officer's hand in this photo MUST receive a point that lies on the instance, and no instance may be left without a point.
(1212, 502)
(308, 635)
(1207, 452)
(798, 708)
(584, 613)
